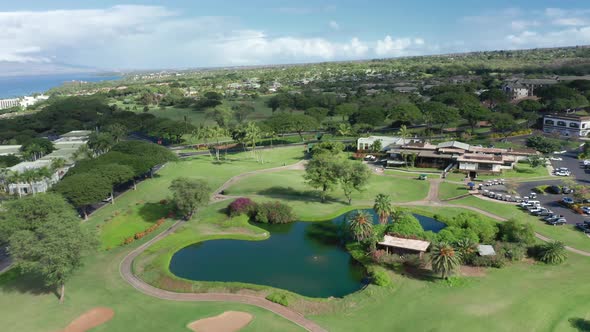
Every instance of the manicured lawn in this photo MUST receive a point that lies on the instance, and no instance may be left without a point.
(156, 189)
(136, 218)
(567, 233)
(520, 297)
(448, 190)
(28, 307)
(290, 186)
(520, 171)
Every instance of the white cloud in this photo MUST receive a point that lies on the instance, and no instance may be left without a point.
(567, 37)
(334, 25)
(397, 47)
(251, 46)
(570, 21)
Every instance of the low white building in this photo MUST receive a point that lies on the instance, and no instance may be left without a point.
(23, 188)
(387, 142)
(567, 125)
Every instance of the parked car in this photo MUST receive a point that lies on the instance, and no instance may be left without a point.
(586, 209)
(556, 158)
(553, 190)
(533, 195)
(542, 212)
(562, 173)
(558, 222)
(567, 200)
(586, 162)
(552, 217)
(583, 227)
(567, 190)
(534, 208)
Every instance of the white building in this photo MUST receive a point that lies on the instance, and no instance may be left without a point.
(567, 125)
(8, 103)
(23, 188)
(387, 142)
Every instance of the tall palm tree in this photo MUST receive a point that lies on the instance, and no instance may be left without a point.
(30, 176)
(44, 174)
(444, 259)
(253, 133)
(383, 207)
(553, 253)
(360, 225)
(403, 132)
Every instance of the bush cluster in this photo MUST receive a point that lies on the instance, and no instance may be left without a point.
(240, 206)
(147, 231)
(273, 213)
(279, 298)
(379, 277)
(496, 261)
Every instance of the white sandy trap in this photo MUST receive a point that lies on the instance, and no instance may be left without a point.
(229, 321)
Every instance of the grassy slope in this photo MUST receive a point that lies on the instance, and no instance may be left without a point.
(449, 190)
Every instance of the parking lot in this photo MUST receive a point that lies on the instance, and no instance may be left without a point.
(551, 201)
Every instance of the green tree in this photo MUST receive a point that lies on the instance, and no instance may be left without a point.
(553, 253)
(115, 174)
(346, 109)
(83, 190)
(242, 110)
(54, 250)
(253, 134)
(319, 113)
(100, 143)
(221, 115)
(405, 113)
(503, 123)
(360, 225)
(377, 146)
(29, 213)
(383, 207)
(117, 131)
(474, 114)
(406, 224)
(322, 172)
(444, 259)
(352, 176)
(438, 113)
(494, 97)
(517, 232)
(189, 195)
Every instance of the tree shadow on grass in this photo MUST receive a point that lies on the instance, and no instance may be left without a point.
(292, 193)
(14, 280)
(151, 212)
(580, 324)
(417, 273)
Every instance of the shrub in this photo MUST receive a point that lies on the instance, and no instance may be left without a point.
(240, 206)
(406, 224)
(552, 253)
(279, 298)
(511, 251)
(163, 202)
(489, 261)
(517, 232)
(380, 277)
(273, 213)
(378, 256)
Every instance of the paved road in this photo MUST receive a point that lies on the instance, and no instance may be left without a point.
(571, 161)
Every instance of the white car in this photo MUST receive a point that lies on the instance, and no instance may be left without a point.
(559, 152)
(562, 173)
(586, 162)
(555, 158)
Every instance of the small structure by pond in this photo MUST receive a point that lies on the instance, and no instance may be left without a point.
(404, 246)
(486, 250)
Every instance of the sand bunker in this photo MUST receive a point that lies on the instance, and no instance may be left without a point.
(90, 319)
(229, 321)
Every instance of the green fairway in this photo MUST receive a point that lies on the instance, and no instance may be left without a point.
(449, 190)
(156, 189)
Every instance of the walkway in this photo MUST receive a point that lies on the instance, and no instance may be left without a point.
(125, 269)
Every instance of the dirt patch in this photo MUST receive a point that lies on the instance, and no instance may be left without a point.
(90, 319)
(472, 271)
(229, 321)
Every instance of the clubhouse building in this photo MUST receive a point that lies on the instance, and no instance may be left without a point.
(567, 124)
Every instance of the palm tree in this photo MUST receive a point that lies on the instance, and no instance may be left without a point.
(444, 259)
(29, 176)
(344, 129)
(82, 152)
(44, 174)
(253, 135)
(383, 207)
(553, 253)
(14, 178)
(403, 132)
(57, 163)
(360, 225)
(466, 249)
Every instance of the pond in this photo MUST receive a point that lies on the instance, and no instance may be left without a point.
(303, 257)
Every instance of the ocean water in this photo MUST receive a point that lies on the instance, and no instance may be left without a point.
(16, 86)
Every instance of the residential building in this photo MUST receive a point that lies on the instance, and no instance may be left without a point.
(387, 142)
(65, 147)
(567, 124)
(8, 103)
(518, 88)
(469, 159)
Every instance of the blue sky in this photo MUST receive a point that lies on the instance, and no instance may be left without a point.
(175, 34)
